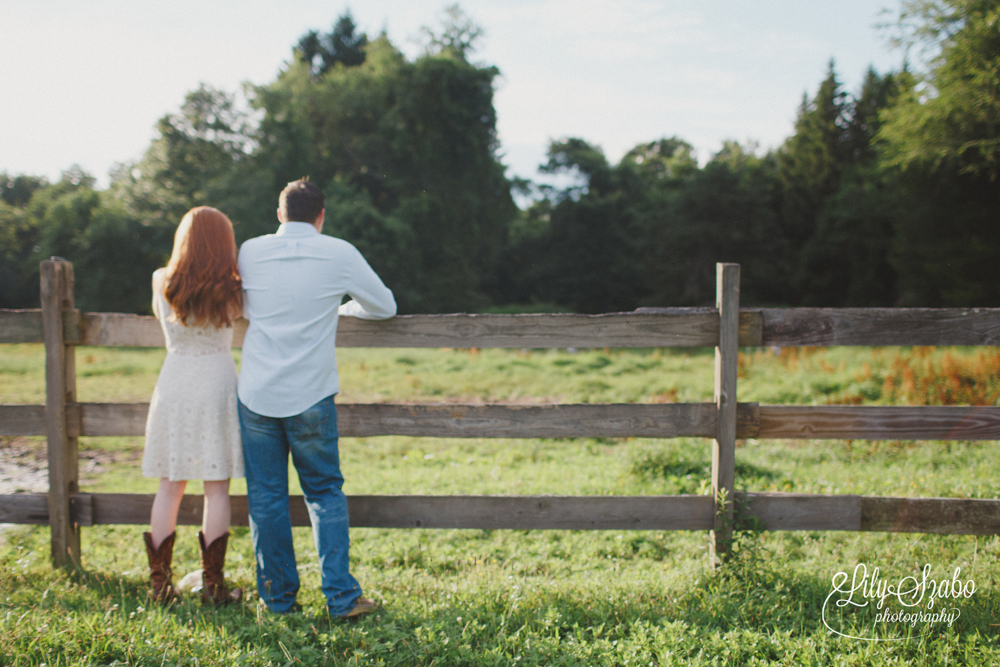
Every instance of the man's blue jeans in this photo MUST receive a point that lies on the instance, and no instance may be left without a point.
(312, 439)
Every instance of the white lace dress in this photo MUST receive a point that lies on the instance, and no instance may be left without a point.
(193, 430)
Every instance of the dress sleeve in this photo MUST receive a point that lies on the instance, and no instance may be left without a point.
(157, 293)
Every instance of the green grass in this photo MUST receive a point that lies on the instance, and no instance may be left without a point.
(516, 597)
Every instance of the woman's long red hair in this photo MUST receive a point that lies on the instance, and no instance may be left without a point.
(203, 282)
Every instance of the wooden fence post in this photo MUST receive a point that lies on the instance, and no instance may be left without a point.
(727, 300)
(60, 389)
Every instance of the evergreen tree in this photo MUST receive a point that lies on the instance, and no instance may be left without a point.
(865, 112)
(321, 52)
(846, 260)
(941, 148)
(811, 160)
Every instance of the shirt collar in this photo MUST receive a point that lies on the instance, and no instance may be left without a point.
(296, 229)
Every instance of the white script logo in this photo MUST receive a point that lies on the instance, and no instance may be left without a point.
(908, 601)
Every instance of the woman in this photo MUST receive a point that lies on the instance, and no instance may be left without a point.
(193, 431)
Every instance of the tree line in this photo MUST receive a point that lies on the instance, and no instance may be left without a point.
(884, 196)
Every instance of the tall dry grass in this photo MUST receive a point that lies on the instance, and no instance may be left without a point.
(929, 376)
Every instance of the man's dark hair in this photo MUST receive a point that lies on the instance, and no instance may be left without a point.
(302, 201)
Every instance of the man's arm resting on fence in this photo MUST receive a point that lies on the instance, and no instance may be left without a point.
(372, 299)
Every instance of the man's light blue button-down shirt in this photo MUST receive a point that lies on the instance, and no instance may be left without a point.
(294, 282)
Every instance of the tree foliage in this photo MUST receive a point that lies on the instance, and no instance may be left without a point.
(409, 146)
(457, 37)
(343, 45)
(809, 223)
(844, 233)
(941, 148)
(882, 196)
(949, 117)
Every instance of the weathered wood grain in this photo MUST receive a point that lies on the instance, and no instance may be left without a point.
(528, 421)
(128, 330)
(727, 300)
(30, 508)
(113, 419)
(33, 508)
(120, 330)
(22, 419)
(536, 421)
(666, 420)
(872, 422)
(539, 421)
(483, 512)
(60, 389)
(683, 328)
(881, 326)
(773, 511)
(751, 322)
(135, 509)
(533, 512)
(675, 327)
(945, 516)
(71, 325)
(798, 511)
(81, 509)
(20, 326)
(645, 327)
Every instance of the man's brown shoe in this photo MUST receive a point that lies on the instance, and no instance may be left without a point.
(361, 606)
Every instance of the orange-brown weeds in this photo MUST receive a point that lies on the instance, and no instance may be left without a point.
(669, 396)
(924, 378)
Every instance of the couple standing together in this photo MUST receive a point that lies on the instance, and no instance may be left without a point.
(289, 285)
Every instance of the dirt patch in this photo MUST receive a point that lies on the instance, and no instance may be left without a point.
(24, 465)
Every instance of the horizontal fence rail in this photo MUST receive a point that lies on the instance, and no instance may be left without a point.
(881, 326)
(766, 511)
(880, 422)
(668, 420)
(682, 327)
(646, 327)
(726, 327)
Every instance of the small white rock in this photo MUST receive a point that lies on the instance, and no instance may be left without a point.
(190, 583)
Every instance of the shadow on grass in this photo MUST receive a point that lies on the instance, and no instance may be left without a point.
(687, 470)
(760, 615)
(755, 608)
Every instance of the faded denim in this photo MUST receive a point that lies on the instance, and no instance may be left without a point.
(312, 439)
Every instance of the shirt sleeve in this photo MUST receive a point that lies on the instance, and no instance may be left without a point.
(241, 269)
(372, 299)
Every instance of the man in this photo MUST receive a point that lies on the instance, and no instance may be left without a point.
(295, 281)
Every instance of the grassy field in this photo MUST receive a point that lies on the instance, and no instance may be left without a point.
(546, 597)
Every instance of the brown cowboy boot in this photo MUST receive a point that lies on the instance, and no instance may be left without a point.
(213, 558)
(161, 588)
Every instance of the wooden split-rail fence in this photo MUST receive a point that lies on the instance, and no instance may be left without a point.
(63, 419)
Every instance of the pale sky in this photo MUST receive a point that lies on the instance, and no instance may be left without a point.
(85, 82)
